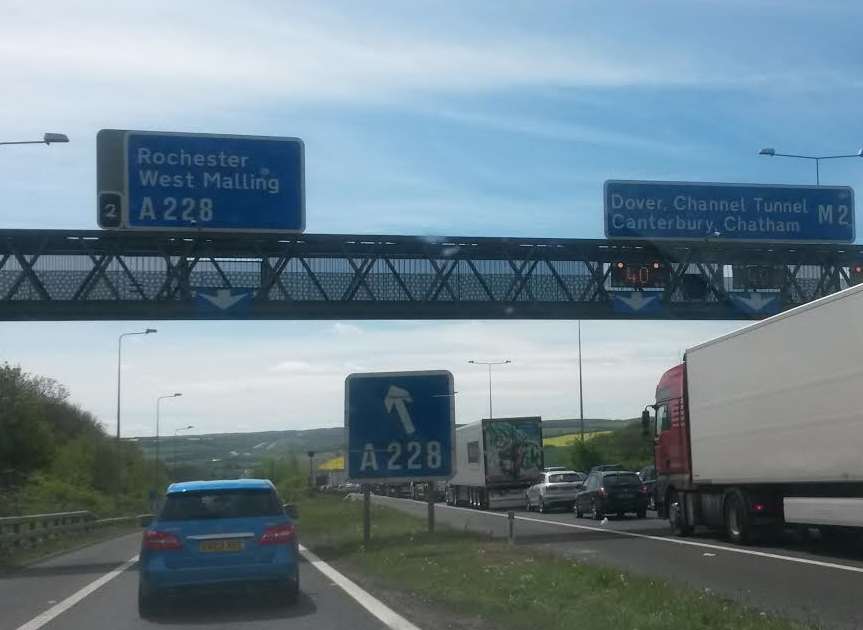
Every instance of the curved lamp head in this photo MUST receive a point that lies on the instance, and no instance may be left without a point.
(54, 138)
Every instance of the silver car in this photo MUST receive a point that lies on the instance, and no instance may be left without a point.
(554, 489)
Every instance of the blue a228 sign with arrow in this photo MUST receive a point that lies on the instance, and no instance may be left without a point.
(400, 426)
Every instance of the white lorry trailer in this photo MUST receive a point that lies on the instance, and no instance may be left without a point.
(496, 461)
(764, 426)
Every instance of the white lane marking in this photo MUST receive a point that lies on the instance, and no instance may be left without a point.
(74, 598)
(386, 615)
(676, 541)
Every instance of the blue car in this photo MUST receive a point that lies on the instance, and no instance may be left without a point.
(218, 533)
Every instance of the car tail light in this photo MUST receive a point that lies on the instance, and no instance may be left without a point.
(644, 490)
(602, 492)
(759, 507)
(279, 535)
(161, 541)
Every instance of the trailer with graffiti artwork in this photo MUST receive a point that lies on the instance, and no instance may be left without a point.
(496, 461)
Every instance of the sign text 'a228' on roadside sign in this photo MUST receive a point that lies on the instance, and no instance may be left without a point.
(203, 182)
(739, 212)
(400, 426)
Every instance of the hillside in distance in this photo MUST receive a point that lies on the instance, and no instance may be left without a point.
(242, 450)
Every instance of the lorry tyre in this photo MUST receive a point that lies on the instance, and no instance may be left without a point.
(597, 513)
(482, 499)
(526, 502)
(676, 516)
(738, 523)
(578, 512)
(541, 506)
(642, 513)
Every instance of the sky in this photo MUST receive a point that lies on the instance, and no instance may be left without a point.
(434, 118)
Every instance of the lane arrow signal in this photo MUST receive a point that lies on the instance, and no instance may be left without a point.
(637, 300)
(223, 299)
(398, 398)
(755, 302)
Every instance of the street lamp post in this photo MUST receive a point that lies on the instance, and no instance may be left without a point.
(771, 152)
(148, 331)
(311, 455)
(489, 364)
(47, 139)
(158, 409)
(580, 390)
(174, 458)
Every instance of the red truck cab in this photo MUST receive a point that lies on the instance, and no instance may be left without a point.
(671, 437)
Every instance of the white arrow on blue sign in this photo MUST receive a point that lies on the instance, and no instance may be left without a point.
(630, 302)
(400, 426)
(755, 303)
(222, 299)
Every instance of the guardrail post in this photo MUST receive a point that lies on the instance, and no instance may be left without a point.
(510, 520)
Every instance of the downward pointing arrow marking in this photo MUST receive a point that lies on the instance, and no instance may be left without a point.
(755, 301)
(398, 398)
(223, 298)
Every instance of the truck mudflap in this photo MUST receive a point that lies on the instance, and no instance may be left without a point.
(499, 498)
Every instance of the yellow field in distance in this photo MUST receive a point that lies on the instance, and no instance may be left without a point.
(570, 438)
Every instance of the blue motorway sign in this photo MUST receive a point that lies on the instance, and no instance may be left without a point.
(187, 181)
(400, 426)
(743, 212)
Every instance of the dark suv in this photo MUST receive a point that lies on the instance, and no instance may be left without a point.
(612, 492)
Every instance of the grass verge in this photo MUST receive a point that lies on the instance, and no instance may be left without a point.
(511, 587)
(61, 544)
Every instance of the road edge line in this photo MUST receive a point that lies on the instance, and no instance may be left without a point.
(676, 541)
(379, 610)
(60, 607)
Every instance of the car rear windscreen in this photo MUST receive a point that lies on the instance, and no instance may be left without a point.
(564, 478)
(623, 479)
(211, 504)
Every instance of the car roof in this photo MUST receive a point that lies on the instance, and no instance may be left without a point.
(562, 471)
(609, 473)
(220, 484)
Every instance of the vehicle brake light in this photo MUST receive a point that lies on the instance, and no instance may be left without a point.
(643, 489)
(161, 541)
(279, 535)
(759, 507)
(602, 492)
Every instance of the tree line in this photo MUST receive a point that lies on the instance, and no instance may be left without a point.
(55, 456)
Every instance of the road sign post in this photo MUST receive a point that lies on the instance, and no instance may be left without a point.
(199, 182)
(400, 428)
(728, 212)
(430, 505)
(367, 514)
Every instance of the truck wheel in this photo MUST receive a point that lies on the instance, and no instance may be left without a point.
(541, 506)
(642, 513)
(578, 512)
(738, 524)
(482, 499)
(597, 513)
(527, 502)
(676, 517)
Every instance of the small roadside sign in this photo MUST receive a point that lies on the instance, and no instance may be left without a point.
(400, 426)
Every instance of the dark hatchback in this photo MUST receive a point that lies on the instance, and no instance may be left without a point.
(612, 492)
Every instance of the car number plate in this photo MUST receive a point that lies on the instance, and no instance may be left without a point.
(209, 546)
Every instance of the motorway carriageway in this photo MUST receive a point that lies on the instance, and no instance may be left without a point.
(97, 586)
(814, 583)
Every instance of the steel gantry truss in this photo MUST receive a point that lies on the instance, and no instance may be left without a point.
(96, 275)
